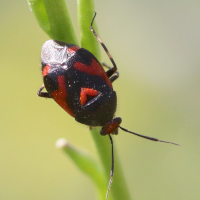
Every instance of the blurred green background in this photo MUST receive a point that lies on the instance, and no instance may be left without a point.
(156, 46)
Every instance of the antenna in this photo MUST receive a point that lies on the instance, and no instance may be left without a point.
(112, 167)
(146, 137)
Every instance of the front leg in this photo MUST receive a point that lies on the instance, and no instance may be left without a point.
(112, 75)
(43, 94)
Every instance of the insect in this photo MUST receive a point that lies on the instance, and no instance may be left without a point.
(76, 80)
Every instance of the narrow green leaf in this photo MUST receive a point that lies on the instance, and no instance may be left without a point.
(39, 10)
(86, 164)
(54, 19)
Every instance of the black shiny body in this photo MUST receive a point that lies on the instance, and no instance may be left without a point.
(64, 79)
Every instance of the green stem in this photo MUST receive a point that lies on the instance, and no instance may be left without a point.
(119, 189)
(54, 19)
(85, 14)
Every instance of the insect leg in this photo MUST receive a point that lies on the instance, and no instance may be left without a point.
(109, 73)
(43, 94)
(112, 70)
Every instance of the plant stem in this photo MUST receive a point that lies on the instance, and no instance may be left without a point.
(54, 19)
(119, 189)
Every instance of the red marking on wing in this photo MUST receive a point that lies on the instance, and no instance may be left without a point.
(94, 69)
(85, 92)
(72, 49)
(46, 69)
(61, 94)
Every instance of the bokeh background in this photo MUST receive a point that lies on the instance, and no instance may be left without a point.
(156, 45)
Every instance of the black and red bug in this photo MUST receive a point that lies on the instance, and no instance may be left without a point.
(76, 80)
